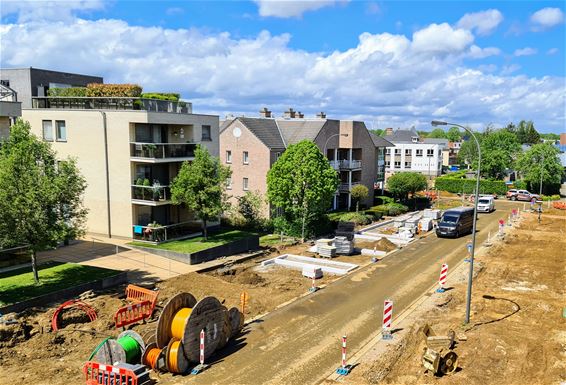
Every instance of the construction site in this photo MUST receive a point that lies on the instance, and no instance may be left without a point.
(287, 309)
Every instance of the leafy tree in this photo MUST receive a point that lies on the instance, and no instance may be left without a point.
(301, 183)
(249, 207)
(511, 128)
(437, 133)
(200, 186)
(499, 150)
(40, 198)
(359, 192)
(550, 136)
(402, 184)
(542, 158)
(378, 132)
(454, 134)
(526, 133)
(468, 153)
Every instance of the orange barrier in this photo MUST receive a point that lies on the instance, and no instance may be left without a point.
(559, 205)
(143, 303)
(99, 374)
(90, 312)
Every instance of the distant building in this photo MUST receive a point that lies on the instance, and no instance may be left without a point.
(10, 110)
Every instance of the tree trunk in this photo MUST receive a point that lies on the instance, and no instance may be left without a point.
(204, 230)
(357, 205)
(34, 267)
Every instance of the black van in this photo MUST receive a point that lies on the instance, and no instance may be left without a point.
(456, 222)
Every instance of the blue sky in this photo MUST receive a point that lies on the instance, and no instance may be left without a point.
(389, 63)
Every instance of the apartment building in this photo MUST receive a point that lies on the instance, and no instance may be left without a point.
(10, 110)
(250, 146)
(129, 150)
(413, 154)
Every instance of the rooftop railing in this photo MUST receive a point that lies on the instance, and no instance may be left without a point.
(112, 103)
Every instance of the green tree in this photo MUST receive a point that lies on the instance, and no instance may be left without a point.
(454, 134)
(359, 192)
(402, 184)
(499, 150)
(511, 128)
(468, 153)
(250, 208)
(437, 133)
(541, 159)
(550, 136)
(40, 197)
(301, 184)
(378, 131)
(526, 133)
(200, 186)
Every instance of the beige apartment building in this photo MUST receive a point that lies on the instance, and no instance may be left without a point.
(129, 150)
(250, 146)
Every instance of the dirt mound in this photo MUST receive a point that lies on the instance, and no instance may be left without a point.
(383, 244)
(249, 277)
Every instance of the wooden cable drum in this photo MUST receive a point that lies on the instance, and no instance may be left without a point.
(176, 360)
(133, 346)
(148, 336)
(236, 321)
(155, 358)
(176, 303)
(109, 352)
(226, 332)
(208, 315)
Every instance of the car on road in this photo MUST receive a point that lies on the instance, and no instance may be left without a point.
(455, 222)
(521, 195)
(486, 204)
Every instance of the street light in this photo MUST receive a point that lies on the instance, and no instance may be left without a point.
(476, 198)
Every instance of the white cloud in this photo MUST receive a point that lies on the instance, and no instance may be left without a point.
(484, 22)
(442, 38)
(389, 78)
(552, 51)
(546, 18)
(291, 8)
(527, 51)
(44, 10)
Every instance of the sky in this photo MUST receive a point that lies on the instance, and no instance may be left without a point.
(389, 63)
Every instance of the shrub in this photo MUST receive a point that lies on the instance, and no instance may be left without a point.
(377, 215)
(67, 92)
(113, 90)
(520, 184)
(554, 197)
(391, 209)
(384, 199)
(455, 185)
(357, 218)
(161, 96)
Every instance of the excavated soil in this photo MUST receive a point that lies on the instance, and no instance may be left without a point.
(517, 335)
(383, 244)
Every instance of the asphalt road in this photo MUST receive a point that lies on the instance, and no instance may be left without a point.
(300, 343)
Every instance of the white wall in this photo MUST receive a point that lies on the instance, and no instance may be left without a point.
(417, 163)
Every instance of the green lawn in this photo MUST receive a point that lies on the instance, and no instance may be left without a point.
(18, 285)
(272, 240)
(197, 244)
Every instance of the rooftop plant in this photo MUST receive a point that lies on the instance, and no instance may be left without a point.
(161, 96)
(114, 90)
(67, 92)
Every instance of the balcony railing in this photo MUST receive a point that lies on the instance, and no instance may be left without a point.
(345, 187)
(162, 150)
(159, 234)
(151, 193)
(345, 164)
(112, 103)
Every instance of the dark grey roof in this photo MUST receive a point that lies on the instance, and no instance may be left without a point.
(436, 141)
(378, 141)
(265, 130)
(225, 123)
(295, 130)
(401, 136)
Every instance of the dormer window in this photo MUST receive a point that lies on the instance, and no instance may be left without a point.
(415, 139)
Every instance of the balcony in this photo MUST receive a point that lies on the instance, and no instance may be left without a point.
(155, 195)
(345, 187)
(161, 152)
(158, 234)
(111, 103)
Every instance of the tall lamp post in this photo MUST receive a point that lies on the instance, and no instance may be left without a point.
(476, 198)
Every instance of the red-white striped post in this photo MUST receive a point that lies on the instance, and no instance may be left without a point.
(202, 347)
(387, 317)
(443, 278)
(344, 351)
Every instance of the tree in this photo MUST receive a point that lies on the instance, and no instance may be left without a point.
(377, 132)
(402, 184)
(499, 151)
(249, 207)
(200, 186)
(468, 153)
(301, 184)
(526, 133)
(542, 158)
(454, 134)
(40, 197)
(359, 192)
(437, 133)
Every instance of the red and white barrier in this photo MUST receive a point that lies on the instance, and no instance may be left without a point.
(443, 277)
(344, 351)
(343, 369)
(387, 317)
(202, 347)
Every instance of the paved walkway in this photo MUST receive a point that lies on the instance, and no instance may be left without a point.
(141, 266)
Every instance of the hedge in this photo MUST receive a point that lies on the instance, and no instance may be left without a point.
(113, 90)
(377, 215)
(67, 92)
(391, 209)
(161, 96)
(468, 186)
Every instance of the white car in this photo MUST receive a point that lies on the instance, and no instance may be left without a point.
(486, 204)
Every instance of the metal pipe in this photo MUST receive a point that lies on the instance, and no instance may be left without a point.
(108, 211)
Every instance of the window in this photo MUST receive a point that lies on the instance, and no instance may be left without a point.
(245, 184)
(407, 164)
(228, 156)
(206, 133)
(388, 151)
(398, 164)
(430, 152)
(387, 163)
(5, 83)
(47, 130)
(407, 152)
(60, 131)
(419, 152)
(277, 155)
(397, 151)
(246, 158)
(229, 183)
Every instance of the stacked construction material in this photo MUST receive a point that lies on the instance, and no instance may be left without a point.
(343, 246)
(432, 214)
(322, 242)
(312, 272)
(345, 229)
(426, 224)
(327, 251)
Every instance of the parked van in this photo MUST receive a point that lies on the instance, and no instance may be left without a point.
(486, 204)
(456, 222)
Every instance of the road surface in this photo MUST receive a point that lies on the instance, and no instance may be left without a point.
(300, 343)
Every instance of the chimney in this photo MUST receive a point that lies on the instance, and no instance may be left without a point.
(289, 114)
(321, 115)
(265, 113)
(389, 131)
(300, 115)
